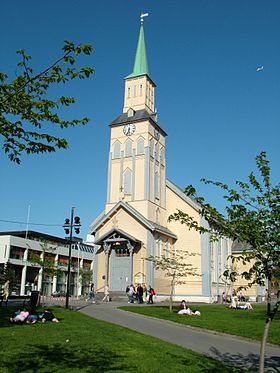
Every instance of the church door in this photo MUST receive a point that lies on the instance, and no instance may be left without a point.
(119, 270)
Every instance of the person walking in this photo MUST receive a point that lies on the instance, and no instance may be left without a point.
(91, 297)
(140, 292)
(151, 293)
(106, 294)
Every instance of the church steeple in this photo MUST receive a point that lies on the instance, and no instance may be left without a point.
(139, 88)
(140, 63)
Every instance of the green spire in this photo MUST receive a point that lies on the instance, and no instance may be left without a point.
(140, 63)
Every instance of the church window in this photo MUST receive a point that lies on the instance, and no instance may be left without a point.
(117, 150)
(127, 181)
(141, 89)
(152, 149)
(128, 92)
(160, 248)
(128, 148)
(134, 90)
(130, 112)
(156, 185)
(167, 249)
(157, 215)
(156, 151)
(162, 155)
(140, 146)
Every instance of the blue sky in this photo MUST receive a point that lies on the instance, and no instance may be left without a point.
(218, 112)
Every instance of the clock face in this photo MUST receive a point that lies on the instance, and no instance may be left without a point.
(129, 129)
(156, 134)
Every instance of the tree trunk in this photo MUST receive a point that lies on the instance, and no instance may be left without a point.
(263, 345)
(171, 296)
(266, 328)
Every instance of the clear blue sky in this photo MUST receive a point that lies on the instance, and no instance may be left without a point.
(218, 112)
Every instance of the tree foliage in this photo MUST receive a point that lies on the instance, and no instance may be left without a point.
(26, 107)
(176, 268)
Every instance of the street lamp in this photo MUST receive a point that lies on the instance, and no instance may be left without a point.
(68, 227)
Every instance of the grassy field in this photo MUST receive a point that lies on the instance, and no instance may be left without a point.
(248, 324)
(82, 344)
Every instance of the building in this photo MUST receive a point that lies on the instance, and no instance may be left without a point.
(21, 250)
(134, 224)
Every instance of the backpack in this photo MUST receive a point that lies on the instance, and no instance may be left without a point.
(153, 292)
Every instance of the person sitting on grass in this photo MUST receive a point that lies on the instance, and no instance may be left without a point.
(20, 316)
(185, 310)
(48, 316)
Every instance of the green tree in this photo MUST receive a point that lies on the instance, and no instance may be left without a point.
(26, 107)
(176, 268)
(85, 277)
(46, 263)
(252, 217)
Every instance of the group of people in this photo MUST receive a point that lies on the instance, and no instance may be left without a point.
(32, 316)
(140, 294)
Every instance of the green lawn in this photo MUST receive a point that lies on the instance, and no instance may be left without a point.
(248, 324)
(82, 344)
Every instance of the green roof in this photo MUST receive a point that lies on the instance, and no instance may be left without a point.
(140, 63)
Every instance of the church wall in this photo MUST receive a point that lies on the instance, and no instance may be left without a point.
(188, 240)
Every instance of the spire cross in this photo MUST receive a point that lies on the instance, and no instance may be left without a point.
(142, 15)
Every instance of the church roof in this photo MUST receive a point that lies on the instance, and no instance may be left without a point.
(136, 214)
(139, 115)
(181, 194)
(140, 62)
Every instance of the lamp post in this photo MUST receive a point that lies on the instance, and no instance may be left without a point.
(68, 227)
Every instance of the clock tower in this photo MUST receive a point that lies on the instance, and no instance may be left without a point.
(136, 170)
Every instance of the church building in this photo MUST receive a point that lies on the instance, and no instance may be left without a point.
(134, 224)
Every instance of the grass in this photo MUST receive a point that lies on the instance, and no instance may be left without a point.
(249, 324)
(83, 344)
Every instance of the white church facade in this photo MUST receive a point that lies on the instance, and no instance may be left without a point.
(134, 224)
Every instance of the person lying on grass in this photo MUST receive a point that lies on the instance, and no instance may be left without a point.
(48, 316)
(20, 316)
(185, 310)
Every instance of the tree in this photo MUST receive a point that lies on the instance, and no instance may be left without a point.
(26, 107)
(47, 265)
(85, 277)
(175, 267)
(252, 217)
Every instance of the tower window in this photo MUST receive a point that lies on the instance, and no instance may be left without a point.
(134, 90)
(130, 112)
(140, 146)
(152, 147)
(127, 181)
(141, 88)
(156, 186)
(117, 150)
(128, 148)
(128, 92)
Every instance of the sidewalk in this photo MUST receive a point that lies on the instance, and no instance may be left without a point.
(230, 349)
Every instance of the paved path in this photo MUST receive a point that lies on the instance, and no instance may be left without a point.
(237, 351)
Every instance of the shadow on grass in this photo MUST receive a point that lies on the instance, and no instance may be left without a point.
(57, 358)
(249, 361)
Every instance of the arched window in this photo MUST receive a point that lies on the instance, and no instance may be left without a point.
(157, 215)
(117, 150)
(130, 112)
(162, 155)
(156, 152)
(167, 249)
(128, 92)
(156, 185)
(127, 181)
(128, 148)
(140, 146)
(152, 147)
